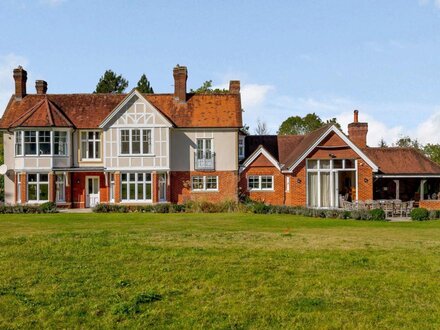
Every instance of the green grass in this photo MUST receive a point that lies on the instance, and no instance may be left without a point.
(224, 271)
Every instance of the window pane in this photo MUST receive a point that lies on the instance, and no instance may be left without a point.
(136, 141)
(337, 163)
(125, 141)
(312, 163)
(349, 163)
(266, 182)
(32, 177)
(132, 177)
(312, 189)
(146, 145)
(140, 192)
(140, 177)
(97, 149)
(18, 143)
(32, 192)
(211, 182)
(132, 191)
(84, 149)
(197, 182)
(44, 142)
(90, 150)
(44, 178)
(148, 191)
(325, 164)
(254, 182)
(124, 191)
(124, 176)
(44, 192)
(60, 143)
(30, 142)
(148, 177)
(91, 135)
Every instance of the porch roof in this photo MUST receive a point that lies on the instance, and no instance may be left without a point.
(403, 162)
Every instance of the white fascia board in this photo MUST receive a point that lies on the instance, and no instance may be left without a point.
(406, 176)
(345, 139)
(133, 93)
(256, 153)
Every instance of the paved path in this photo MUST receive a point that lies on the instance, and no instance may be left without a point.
(75, 210)
(400, 219)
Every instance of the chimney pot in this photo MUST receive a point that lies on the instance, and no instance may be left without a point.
(20, 78)
(180, 74)
(41, 87)
(356, 116)
(234, 86)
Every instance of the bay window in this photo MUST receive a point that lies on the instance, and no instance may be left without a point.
(40, 143)
(60, 143)
(204, 183)
(30, 142)
(260, 182)
(136, 187)
(18, 143)
(90, 145)
(135, 141)
(38, 187)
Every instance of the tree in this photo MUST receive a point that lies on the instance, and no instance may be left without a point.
(382, 143)
(297, 125)
(407, 142)
(432, 151)
(110, 82)
(245, 129)
(144, 86)
(206, 88)
(261, 128)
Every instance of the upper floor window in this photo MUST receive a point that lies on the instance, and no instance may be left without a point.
(204, 148)
(240, 148)
(30, 143)
(90, 145)
(136, 141)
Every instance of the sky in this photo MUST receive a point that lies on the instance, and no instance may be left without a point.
(292, 57)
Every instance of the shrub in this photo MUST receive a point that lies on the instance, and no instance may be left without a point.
(17, 209)
(260, 208)
(360, 215)
(434, 214)
(419, 214)
(377, 214)
(160, 208)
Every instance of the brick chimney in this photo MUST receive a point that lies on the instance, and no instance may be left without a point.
(180, 74)
(357, 132)
(234, 86)
(41, 87)
(20, 77)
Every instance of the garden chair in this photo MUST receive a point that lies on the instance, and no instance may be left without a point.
(388, 208)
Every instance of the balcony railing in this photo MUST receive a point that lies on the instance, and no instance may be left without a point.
(204, 161)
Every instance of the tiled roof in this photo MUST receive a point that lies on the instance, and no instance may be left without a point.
(399, 161)
(89, 110)
(44, 113)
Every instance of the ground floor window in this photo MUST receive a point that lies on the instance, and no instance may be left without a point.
(38, 187)
(201, 183)
(260, 182)
(112, 187)
(136, 187)
(18, 188)
(162, 187)
(60, 188)
(329, 182)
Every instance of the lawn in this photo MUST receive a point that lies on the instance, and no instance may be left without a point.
(217, 271)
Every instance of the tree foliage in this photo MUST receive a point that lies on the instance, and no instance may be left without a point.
(433, 152)
(110, 82)
(144, 86)
(382, 143)
(297, 125)
(407, 142)
(206, 88)
(261, 128)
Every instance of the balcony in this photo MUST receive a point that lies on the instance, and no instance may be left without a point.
(204, 161)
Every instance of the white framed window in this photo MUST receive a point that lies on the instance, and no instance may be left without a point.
(112, 187)
(38, 187)
(44, 144)
(162, 187)
(204, 183)
(30, 142)
(18, 188)
(260, 182)
(60, 143)
(60, 184)
(136, 141)
(90, 145)
(240, 147)
(18, 143)
(287, 183)
(136, 187)
(204, 148)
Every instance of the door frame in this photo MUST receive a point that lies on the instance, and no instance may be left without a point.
(87, 200)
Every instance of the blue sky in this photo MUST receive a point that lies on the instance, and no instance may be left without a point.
(292, 57)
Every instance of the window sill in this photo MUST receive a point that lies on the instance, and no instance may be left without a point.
(136, 155)
(204, 190)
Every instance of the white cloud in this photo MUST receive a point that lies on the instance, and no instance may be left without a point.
(428, 130)
(7, 64)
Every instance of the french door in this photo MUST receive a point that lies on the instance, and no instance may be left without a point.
(92, 191)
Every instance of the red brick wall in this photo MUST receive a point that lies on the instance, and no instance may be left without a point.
(79, 189)
(275, 197)
(180, 187)
(365, 181)
(430, 204)
(298, 191)
(23, 187)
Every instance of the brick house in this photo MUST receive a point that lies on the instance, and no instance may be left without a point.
(82, 149)
(323, 167)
